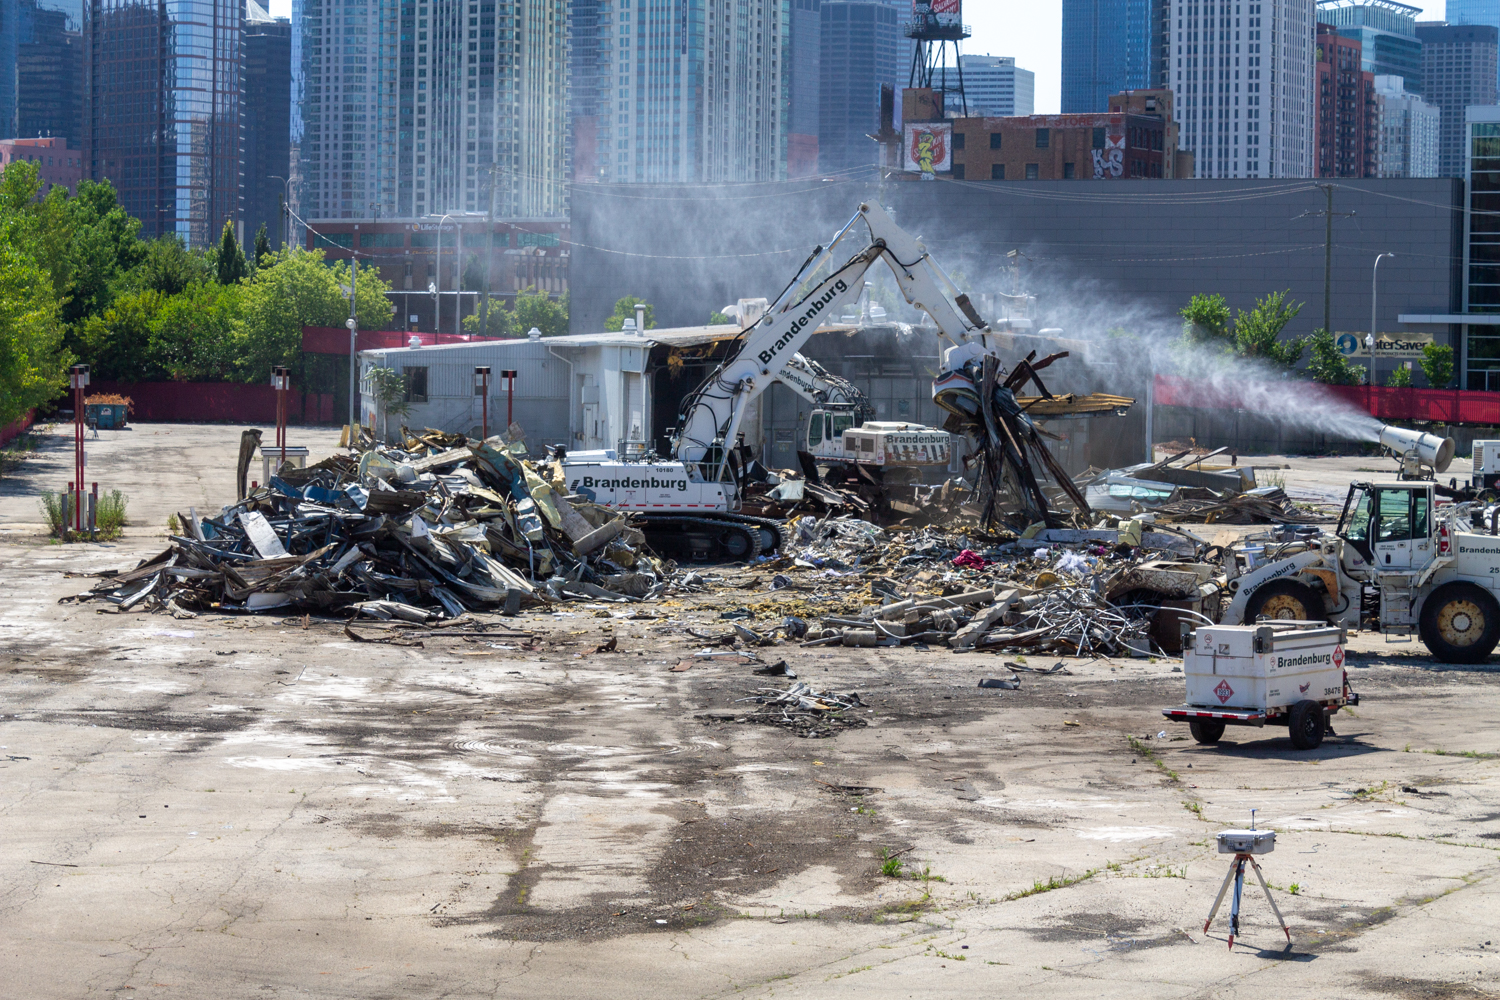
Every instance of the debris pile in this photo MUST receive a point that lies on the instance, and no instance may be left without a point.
(434, 529)
(807, 712)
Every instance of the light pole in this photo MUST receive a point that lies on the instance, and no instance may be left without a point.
(1370, 339)
(286, 201)
(437, 286)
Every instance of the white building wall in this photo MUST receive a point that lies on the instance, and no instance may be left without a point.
(1408, 131)
(1243, 78)
(995, 86)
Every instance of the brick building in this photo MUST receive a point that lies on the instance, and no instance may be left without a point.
(57, 165)
(1347, 110)
(1136, 138)
(501, 257)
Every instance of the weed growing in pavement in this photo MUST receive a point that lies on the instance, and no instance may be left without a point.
(1151, 755)
(1163, 872)
(109, 515)
(174, 526)
(1196, 808)
(57, 510)
(1054, 882)
(939, 953)
(1294, 888)
(890, 866)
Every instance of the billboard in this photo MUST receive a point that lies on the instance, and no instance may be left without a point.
(941, 11)
(1387, 345)
(928, 146)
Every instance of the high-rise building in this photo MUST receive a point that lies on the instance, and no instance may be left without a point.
(1387, 36)
(1347, 116)
(697, 92)
(1407, 141)
(587, 80)
(861, 49)
(1459, 67)
(429, 106)
(1473, 12)
(161, 114)
(41, 44)
(996, 87)
(1242, 74)
(1109, 46)
(267, 118)
(804, 88)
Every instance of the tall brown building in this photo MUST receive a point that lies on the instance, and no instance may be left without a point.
(1347, 126)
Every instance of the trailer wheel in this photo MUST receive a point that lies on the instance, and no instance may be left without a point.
(1206, 730)
(1460, 623)
(1306, 725)
(1285, 600)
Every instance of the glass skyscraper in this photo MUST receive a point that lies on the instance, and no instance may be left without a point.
(861, 49)
(41, 45)
(162, 111)
(1109, 46)
(1387, 35)
(1475, 12)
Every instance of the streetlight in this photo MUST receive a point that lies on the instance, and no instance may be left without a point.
(1370, 337)
(435, 288)
(286, 203)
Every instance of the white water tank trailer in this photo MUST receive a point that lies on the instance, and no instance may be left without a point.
(1281, 673)
(1486, 465)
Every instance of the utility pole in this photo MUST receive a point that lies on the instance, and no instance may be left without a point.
(1328, 215)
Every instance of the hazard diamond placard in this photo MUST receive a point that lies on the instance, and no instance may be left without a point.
(1224, 692)
(1338, 657)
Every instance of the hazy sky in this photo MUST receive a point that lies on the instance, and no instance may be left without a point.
(1030, 30)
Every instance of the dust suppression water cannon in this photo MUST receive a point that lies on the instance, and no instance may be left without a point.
(1422, 455)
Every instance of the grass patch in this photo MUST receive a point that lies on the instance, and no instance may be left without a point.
(1196, 808)
(109, 514)
(1152, 756)
(1054, 882)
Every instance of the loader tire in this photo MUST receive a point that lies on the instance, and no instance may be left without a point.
(1460, 623)
(1285, 600)
(1207, 731)
(1306, 725)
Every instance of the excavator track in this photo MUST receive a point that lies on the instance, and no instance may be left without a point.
(711, 538)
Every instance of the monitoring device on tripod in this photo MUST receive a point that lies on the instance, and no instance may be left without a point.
(1244, 845)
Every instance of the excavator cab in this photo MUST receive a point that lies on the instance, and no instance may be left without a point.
(825, 431)
(1389, 525)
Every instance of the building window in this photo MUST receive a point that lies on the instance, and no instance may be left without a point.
(1043, 138)
(416, 384)
(997, 172)
(958, 140)
(958, 171)
(1098, 138)
(1067, 171)
(994, 140)
(1031, 171)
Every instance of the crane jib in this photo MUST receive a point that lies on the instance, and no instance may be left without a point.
(817, 306)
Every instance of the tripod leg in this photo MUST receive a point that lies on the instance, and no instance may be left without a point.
(1220, 898)
(1234, 908)
(1274, 908)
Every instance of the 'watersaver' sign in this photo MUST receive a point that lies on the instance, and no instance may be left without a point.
(1387, 345)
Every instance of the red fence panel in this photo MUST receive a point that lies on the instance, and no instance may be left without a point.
(201, 402)
(1447, 406)
(16, 428)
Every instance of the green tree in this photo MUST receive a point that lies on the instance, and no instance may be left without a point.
(194, 335)
(1400, 378)
(1257, 333)
(230, 263)
(169, 267)
(262, 244)
(1206, 320)
(118, 344)
(1327, 365)
(549, 315)
(33, 361)
(717, 318)
(294, 289)
(625, 309)
(501, 322)
(1437, 365)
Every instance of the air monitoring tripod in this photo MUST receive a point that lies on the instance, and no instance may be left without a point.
(1237, 874)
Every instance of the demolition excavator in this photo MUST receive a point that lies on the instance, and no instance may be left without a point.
(692, 500)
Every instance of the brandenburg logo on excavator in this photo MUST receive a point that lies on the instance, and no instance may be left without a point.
(817, 306)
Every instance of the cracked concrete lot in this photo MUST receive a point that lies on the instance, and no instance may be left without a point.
(230, 806)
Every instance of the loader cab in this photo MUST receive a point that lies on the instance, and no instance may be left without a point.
(825, 430)
(1389, 525)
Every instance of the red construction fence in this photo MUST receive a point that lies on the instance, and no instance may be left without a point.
(16, 428)
(1446, 406)
(216, 401)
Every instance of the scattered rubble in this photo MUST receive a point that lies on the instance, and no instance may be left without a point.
(437, 528)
